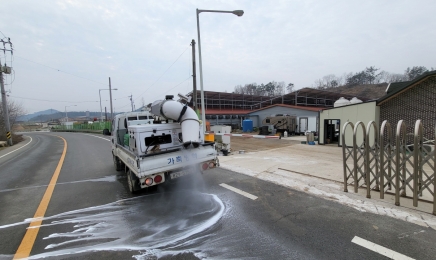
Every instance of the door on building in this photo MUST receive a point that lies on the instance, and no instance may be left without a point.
(332, 131)
(303, 124)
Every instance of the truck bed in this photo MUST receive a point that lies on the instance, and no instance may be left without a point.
(166, 161)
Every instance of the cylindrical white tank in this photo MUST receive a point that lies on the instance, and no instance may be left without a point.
(341, 102)
(189, 120)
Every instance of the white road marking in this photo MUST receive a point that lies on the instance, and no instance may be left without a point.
(18, 148)
(241, 192)
(380, 249)
(99, 137)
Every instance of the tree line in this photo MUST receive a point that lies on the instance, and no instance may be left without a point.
(370, 75)
(271, 89)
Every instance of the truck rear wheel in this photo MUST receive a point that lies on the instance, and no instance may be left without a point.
(132, 182)
(117, 164)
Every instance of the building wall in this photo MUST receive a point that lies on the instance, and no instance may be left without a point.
(418, 102)
(364, 112)
(235, 123)
(260, 115)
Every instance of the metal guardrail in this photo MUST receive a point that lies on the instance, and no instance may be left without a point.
(383, 162)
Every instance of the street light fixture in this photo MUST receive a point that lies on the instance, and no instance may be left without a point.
(101, 110)
(203, 110)
(66, 110)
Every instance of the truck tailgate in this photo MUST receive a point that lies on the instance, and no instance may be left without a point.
(175, 160)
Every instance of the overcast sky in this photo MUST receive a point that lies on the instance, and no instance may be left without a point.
(65, 51)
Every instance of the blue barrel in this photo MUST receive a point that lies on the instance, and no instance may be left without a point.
(247, 125)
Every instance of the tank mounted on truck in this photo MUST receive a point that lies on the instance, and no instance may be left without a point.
(165, 144)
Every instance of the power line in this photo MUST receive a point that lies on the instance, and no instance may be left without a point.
(120, 98)
(178, 84)
(140, 96)
(61, 71)
(47, 100)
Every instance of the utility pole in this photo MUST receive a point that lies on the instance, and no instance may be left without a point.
(110, 94)
(5, 110)
(131, 100)
(194, 78)
(6, 70)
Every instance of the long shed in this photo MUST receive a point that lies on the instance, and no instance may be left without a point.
(307, 117)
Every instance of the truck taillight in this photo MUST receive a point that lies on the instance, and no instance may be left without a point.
(211, 165)
(205, 166)
(148, 181)
(157, 179)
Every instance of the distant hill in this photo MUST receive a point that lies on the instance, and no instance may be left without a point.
(371, 91)
(45, 112)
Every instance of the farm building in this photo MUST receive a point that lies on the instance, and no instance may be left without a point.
(307, 117)
(332, 121)
(408, 101)
(230, 108)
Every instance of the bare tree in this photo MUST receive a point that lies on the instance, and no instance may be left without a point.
(238, 90)
(384, 76)
(280, 88)
(290, 87)
(15, 110)
(328, 81)
(319, 84)
(395, 77)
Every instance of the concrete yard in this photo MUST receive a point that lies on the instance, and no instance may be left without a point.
(317, 170)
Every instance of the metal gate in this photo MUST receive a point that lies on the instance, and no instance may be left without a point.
(382, 161)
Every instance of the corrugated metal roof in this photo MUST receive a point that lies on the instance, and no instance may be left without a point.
(227, 111)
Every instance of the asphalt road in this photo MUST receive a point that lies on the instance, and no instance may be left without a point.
(91, 214)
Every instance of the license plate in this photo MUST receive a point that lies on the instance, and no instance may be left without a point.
(178, 174)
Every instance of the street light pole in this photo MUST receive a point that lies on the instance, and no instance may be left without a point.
(66, 111)
(110, 94)
(101, 110)
(203, 109)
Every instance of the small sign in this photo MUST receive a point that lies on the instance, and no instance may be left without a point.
(8, 135)
(6, 69)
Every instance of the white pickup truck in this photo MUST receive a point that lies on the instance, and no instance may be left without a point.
(165, 144)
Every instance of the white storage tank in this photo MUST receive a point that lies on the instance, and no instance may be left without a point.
(355, 100)
(341, 102)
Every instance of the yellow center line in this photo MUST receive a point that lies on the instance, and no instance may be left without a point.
(29, 238)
